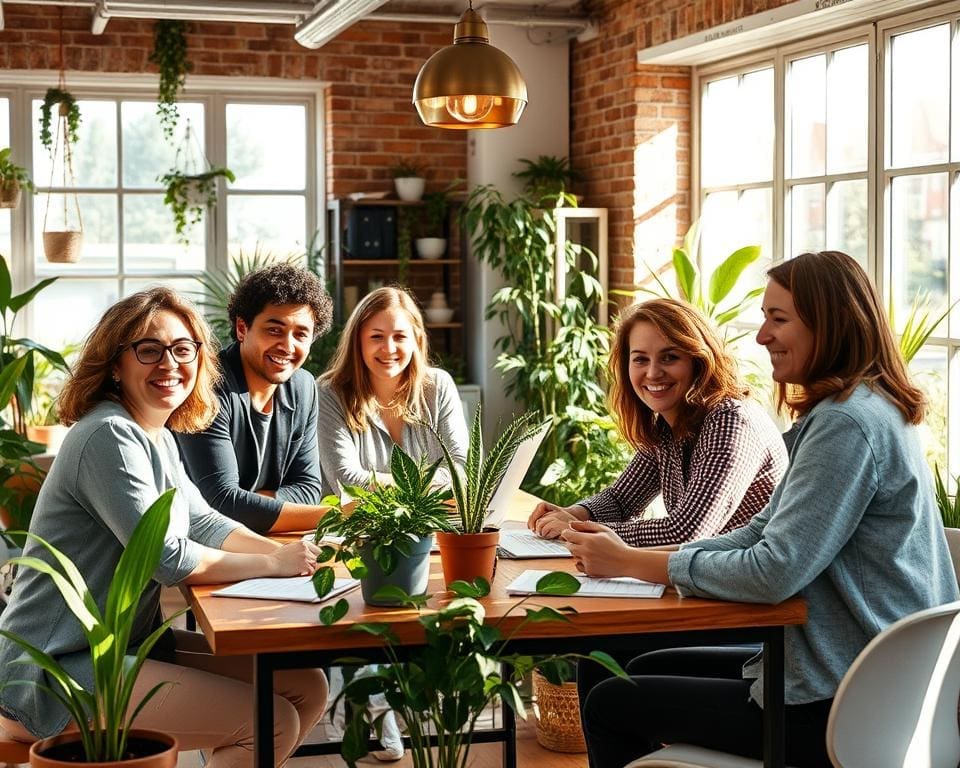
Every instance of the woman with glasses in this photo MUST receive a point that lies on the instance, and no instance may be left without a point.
(147, 367)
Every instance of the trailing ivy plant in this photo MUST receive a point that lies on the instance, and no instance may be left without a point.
(170, 55)
(67, 103)
(189, 195)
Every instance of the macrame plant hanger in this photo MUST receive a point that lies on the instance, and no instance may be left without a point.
(63, 245)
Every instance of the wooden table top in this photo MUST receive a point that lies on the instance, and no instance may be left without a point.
(245, 626)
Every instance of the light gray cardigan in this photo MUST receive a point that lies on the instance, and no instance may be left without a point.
(348, 457)
(105, 476)
(852, 528)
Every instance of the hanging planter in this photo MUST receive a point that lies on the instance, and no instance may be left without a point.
(67, 110)
(170, 55)
(13, 180)
(191, 185)
(63, 238)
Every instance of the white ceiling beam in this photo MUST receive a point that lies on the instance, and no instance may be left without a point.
(330, 18)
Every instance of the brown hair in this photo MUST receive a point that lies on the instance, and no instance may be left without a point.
(91, 379)
(714, 371)
(852, 339)
(348, 375)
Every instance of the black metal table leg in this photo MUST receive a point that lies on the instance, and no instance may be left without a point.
(263, 711)
(773, 714)
(509, 736)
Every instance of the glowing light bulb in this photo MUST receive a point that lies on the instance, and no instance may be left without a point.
(470, 108)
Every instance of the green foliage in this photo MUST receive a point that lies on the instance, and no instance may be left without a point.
(104, 715)
(11, 173)
(170, 55)
(948, 505)
(548, 176)
(554, 352)
(919, 325)
(406, 218)
(435, 208)
(190, 195)
(475, 485)
(447, 683)
(47, 383)
(405, 168)
(387, 518)
(66, 102)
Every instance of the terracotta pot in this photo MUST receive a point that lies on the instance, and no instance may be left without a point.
(465, 556)
(150, 749)
(25, 483)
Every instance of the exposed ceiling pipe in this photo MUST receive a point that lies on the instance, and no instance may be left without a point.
(492, 14)
(331, 18)
(198, 10)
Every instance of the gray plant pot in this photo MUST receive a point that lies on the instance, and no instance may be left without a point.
(411, 574)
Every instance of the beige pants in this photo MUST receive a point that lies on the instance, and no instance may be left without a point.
(209, 706)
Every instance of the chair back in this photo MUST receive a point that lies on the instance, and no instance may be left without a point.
(897, 705)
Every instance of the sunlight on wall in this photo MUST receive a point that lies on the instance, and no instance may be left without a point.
(655, 201)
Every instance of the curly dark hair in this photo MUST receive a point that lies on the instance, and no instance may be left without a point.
(280, 284)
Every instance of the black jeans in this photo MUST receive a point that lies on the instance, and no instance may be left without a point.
(696, 696)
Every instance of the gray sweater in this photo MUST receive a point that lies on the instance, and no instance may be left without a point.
(348, 457)
(105, 476)
(852, 528)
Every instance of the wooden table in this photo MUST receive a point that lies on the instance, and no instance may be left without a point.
(289, 635)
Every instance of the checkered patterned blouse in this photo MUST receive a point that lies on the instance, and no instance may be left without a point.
(712, 481)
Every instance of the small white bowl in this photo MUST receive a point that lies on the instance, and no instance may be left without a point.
(444, 315)
(431, 247)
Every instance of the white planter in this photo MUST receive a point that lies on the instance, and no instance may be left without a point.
(410, 188)
(431, 247)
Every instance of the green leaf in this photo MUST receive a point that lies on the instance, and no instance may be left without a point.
(607, 661)
(478, 589)
(558, 583)
(6, 285)
(331, 614)
(19, 301)
(687, 276)
(725, 276)
(323, 580)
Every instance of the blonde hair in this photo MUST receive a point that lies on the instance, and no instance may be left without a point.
(348, 375)
(714, 371)
(91, 381)
(852, 339)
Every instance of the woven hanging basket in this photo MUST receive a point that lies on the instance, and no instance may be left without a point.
(558, 716)
(62, 247)
(10, 195)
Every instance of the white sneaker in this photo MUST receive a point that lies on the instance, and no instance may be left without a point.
(390, 740)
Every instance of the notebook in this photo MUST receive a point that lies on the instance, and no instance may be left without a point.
(623, 586)
(510, 482)
(521, 544)
(297, 588)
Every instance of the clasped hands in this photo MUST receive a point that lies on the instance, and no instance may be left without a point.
(597, 551)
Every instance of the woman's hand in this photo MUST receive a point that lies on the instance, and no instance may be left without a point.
(549, 521)
(597, 551)
(299, 558)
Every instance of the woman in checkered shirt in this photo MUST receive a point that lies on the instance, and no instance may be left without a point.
(713, 454)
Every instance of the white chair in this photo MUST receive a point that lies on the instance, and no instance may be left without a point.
(895, 708)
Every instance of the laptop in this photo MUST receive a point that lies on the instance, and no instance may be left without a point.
(510, 482)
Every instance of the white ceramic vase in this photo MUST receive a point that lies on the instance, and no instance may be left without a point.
(409, 188)
(431, 247)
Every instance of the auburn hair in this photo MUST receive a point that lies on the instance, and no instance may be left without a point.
(91, 380)
(348, 375)
(852, 340)
(715, 376)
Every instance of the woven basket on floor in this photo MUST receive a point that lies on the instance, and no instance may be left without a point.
(558, 716)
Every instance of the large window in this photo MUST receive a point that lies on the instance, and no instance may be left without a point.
(865, 159)
(266, 138)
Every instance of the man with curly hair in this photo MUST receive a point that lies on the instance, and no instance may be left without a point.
(258, 462)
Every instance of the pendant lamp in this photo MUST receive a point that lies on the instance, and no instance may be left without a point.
(470, 84)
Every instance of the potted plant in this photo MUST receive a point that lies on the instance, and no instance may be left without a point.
(170, 55)
(547, 177)
(13, 179)
(470, 550)
(67, 107)
(949, 507)
(432, 244)
(62, 239)
(408, 179)
(190, 195)
(443, 686)
(388, 533)
(105, 715)
(43, 423)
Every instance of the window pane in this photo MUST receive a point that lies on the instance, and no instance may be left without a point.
(806, 206)
(731, 221)
(266, 145)
(847, 219)
(5, 123)
(929, 371)
(847, 91)
(754, 127)
(806, 106)
(99, 252)
(920, 96)
(277, 223)
(185, 286)
(919, 245)
(82, 301)
(94, 154)
(6, 243)
(146, 152)
(150, 240)
(718, 163)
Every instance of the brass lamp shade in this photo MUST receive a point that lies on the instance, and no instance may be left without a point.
(470, 84)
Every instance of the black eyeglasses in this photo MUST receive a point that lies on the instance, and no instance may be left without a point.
(151, 351)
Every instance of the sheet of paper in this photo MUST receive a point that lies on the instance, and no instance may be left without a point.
(623, 586)
(297, 588)
(522, 543)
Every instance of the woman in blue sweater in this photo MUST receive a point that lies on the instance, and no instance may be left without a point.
(852, 528)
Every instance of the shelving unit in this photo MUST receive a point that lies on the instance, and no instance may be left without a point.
(424, 276)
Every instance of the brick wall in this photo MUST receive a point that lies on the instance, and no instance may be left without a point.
(631, 124)
(370, 69)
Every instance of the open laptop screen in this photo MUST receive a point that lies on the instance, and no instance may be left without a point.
(510, 482)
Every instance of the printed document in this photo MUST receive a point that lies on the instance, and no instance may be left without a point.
(298, 588)
(622, 586)
(524, 544)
